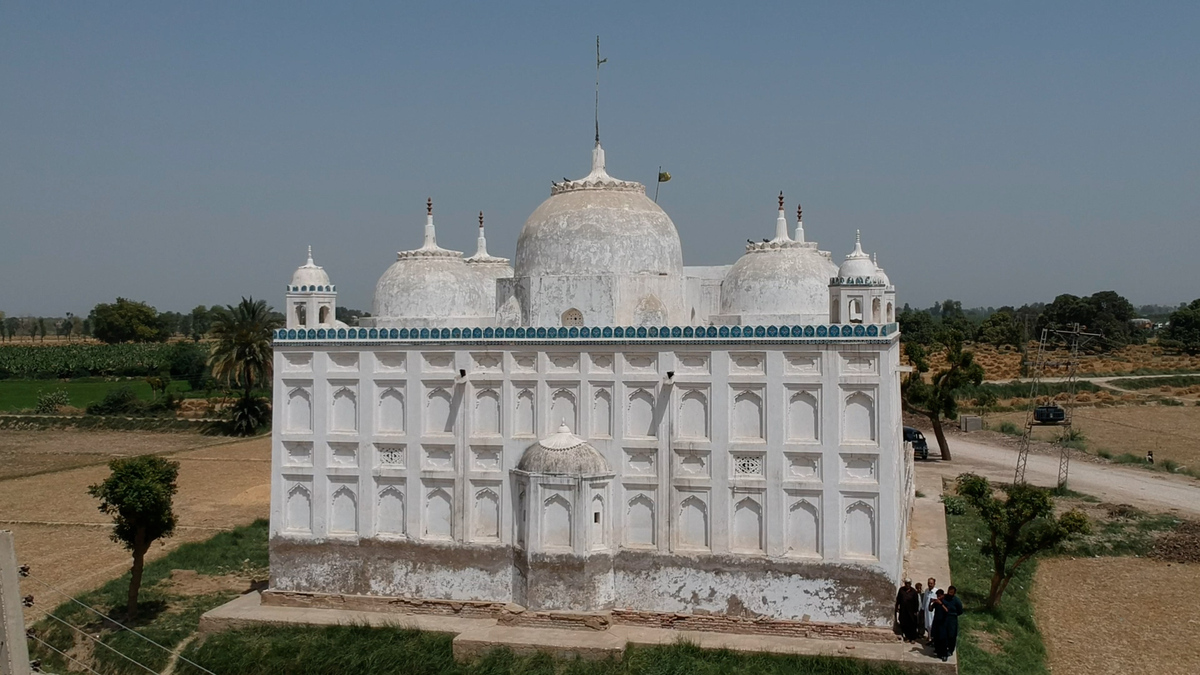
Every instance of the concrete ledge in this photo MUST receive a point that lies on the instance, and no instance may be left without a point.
(476, 636)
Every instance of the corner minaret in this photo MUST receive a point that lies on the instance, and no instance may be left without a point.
(781, 229)
(799, 223)
(311, 299)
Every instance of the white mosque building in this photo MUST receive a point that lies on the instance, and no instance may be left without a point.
(596, 429)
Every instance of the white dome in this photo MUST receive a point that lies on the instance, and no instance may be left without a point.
(791, 280)
(598, 225)
(857, 264)
(310, 277)
(488, 265)
(431, 284)
(881, 276)
(563, 453)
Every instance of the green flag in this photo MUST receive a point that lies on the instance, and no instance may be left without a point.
(663, 176)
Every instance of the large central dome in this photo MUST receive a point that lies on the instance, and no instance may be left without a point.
(598, 225)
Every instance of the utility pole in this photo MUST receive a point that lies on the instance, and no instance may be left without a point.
(14, 652)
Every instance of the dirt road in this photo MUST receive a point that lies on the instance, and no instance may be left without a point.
(1108, 482)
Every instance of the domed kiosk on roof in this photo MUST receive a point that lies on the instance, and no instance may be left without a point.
(861, 292)
(600, 247)
(310, 277)
(563, 453)
(432, 286)
(311, 298)
(779, 281)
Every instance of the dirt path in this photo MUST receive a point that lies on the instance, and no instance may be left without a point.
(1110, 483)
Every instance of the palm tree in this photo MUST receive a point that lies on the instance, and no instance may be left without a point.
(241, 356)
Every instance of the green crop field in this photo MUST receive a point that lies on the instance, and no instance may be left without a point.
(17, 395)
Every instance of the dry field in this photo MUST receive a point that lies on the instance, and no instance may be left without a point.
(63, 537)
(1172, 432)
(1122, 615)
(1005, 364)
(24, 453)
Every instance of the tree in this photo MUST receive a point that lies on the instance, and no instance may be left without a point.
(127, 321)
(937, 398)
(202, 319)
(1021, 526)
(41, 325)
(13, 324)
(138, 494)
(1104, 312)
(242, 358)
(1000, 329)
(1183, 333)
(916, 327)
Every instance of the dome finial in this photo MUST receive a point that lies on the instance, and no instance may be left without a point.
(430, 233)
(481, 243)
(799, 223)
(858, 252)
(781, 233)
(599, 62)
(310, 260)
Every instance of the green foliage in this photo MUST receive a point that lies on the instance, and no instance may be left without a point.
(128, 321)
(955, 506)
(1009, 428)
(248, 415)
(63, 361)
(17, 395)
(938, 398)
(1019, 389)
(138, 495)
(1001, 329)
(1012, 644)
(1140, 383)
(49, 402)
(1105, 312)
(243, 335)
(1183, 333)
(1020, 526)
(124, 401)
(189, 361)
(916, 327)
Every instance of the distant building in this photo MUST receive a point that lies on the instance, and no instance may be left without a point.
(597, 428)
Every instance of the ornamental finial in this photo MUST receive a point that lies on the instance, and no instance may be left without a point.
(799, 212)
(310, 260)
(481, 220)
(781, 200)
(429, 206)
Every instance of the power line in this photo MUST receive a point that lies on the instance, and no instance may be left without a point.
(102, 643)
(118, 623)
(65, 655)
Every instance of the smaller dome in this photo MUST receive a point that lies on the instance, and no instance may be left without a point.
(563, 453)
(858, 264)
(881, 276)
(310, 275)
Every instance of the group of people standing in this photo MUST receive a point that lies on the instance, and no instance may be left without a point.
(929, 612)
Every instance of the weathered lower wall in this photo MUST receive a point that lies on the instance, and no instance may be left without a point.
(393, 568)
(752, 587)
(705, 585)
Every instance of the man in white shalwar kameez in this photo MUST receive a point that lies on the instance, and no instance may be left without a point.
(930, 593)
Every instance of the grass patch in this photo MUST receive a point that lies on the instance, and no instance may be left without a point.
(1004, 641)
(1156, 382)
(1011, 429)
(18, 395)
(1127, 531)
(1018, 389)
(375, 651)
(165, 617)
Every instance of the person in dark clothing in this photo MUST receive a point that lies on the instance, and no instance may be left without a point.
(908, 610)
(937, 634)
(954, 609)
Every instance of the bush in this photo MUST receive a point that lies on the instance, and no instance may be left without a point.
(248, 415)
(49, 402)
(955, 506)
(1009, 428)
(124, 401)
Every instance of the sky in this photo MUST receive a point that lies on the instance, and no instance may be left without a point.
(995, 153)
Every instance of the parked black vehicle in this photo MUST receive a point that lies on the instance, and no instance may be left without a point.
(920, 447)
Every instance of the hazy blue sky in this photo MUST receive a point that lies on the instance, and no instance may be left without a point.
(994, 153)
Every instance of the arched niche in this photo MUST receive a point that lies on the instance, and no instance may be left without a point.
(804, 528)
(693, 523)
(299, 410)
(301, 310)
(572, 317)
(650, 311)
(487, 412)
(747, 535)
(485, 517)
(598, 525)
(693, 415)
(524, 414)
(639, 521)
(876, 311)
(390, 512)
(855, 310)
(298, 511)
(747, 416)
(556, 523)
(345, 410)
(602, 414)
(391, 411)
(439, 514)
(563, 408)
(859, 417)
(891, 312)
(323, 314)
(343, 516)
(803, 417)
(639, 414)
(858, 530)
(438, 419)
